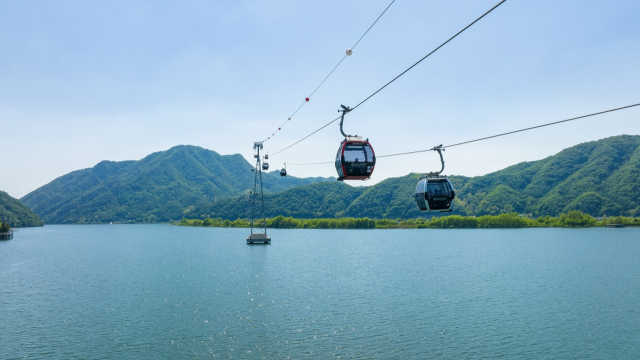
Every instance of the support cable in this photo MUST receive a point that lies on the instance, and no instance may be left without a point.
(334, 69)
(497, 135)
(402, 73)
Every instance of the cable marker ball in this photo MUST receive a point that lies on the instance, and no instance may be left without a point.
(306, 99)
(349, 52)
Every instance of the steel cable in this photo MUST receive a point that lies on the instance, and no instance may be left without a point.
(334, 69)
(498, 135)
(402, 73)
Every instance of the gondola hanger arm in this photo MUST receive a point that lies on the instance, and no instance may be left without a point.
(345, 109)
(439, 149)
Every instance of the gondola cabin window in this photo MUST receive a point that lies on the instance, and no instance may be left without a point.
(441, 188)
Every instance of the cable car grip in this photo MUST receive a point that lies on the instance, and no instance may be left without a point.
(345, 109)
(439, 149)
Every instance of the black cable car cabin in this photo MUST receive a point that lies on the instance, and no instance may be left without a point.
(355, 160)
(435, 194)
(265, 166)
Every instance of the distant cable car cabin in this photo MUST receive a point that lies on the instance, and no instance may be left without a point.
(435, 192)
(355, 159)
(265, 162)
(283, 171)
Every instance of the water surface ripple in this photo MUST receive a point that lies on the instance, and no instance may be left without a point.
(158, 291)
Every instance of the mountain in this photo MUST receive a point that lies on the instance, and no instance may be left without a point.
(599, 178)
(321, 200)
(15, 213)
(157, 188)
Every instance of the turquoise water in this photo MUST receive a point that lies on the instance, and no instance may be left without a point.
(156, 291)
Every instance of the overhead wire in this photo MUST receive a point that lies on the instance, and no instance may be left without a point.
(331, 72)
(497, 135)
(402, 73)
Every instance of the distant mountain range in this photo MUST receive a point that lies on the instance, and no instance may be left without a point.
(598, 177)
(159, 187)
(15, 213)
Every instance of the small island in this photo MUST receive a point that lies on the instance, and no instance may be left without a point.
(5, 231)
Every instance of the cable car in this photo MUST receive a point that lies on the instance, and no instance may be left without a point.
(283, 171)
(265, 166)
(266, 157)
(355, 159)
(435, 192)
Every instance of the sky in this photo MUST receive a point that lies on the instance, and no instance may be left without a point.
(86, 81)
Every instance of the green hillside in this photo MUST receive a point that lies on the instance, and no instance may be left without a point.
(157, 188)
(321, 200)
(15, 213)
(598, 178)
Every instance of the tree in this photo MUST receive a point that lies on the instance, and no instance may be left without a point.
(577, 218)
(4, 227)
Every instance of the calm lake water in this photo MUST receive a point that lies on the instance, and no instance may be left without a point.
(158, 291)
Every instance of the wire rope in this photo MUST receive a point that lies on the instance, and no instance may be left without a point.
(402, 73)
(497, 135)
(332, 70)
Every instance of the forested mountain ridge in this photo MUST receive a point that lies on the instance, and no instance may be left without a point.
(158, 187)
(598, 177)
(15, 213)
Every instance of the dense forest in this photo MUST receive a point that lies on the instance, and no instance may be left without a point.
(598, 178)
(14, 213)
(573, 218)
(158, 188)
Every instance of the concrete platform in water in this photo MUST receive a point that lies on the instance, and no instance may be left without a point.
(258, 239)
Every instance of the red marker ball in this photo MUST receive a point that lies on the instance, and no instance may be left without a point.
(307, 99)
(278, 128)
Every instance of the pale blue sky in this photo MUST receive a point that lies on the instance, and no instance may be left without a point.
(85, 81)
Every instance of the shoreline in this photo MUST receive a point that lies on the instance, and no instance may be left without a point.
(572, 219)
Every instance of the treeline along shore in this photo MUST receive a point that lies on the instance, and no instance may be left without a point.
(510, 220)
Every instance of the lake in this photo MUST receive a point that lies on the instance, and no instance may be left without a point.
(160, 291)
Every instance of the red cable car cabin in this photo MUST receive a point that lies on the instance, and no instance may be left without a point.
(355, 159)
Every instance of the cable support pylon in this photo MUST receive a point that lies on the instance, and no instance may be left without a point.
(258, 219)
